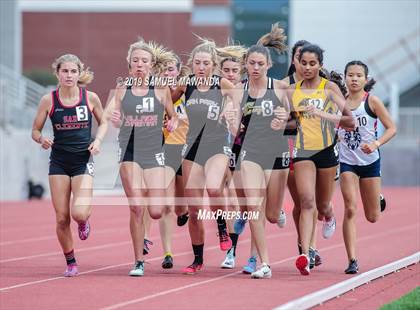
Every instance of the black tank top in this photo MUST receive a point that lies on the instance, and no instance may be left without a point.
(203, 110)
(257, 116)
(142, 120)
(72, 125)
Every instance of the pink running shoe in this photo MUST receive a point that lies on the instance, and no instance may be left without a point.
(192, 269)
(84, 230)
(71, 270)
(225, 242)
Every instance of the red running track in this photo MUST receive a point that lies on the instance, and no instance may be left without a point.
(31, 262)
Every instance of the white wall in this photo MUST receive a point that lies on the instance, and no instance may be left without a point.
(349, 30)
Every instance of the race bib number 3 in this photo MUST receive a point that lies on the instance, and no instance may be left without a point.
(82, 113)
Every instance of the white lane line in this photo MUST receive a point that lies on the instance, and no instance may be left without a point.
(126, 264)
(340, 288)
(147, 297)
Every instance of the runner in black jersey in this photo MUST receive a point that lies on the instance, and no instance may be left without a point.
(205, 162)
(264, 154)
(231, 68)
(70, 109)
(139, 108)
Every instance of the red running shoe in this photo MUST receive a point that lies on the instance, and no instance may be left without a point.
(192, 269)
(225, 242)
(302, 263)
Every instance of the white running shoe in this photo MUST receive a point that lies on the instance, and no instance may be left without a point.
(138, 269)
(282, 219)
(229, 262)
(328, 228)
(263, 272)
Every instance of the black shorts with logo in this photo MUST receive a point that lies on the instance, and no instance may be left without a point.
(70, 163)
(325, 158)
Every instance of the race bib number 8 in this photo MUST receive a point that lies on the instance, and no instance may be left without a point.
(82, 113)
(267, 108)
(213, 112)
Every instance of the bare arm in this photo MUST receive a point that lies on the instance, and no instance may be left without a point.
(345, 118)
(166, 99)
(98, 112)
(379, 109)
(232, 109)
(44, 109)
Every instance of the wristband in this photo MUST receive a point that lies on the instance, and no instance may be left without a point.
(377, 143)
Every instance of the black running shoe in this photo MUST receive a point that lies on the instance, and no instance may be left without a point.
(311, 258)
(300, 249)
(352, 268)
(383, 203)
(181, 220)
(168, 262)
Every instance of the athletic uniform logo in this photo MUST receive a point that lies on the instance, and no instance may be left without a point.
(90, 169)
(353, 139)
(232, 157)
(285, 159)
(160, 158)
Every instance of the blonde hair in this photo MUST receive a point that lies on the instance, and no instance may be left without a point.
(160, 55)
(206, 46)
(85, 75)
(233, 52)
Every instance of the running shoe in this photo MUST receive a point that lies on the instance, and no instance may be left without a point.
(146, 244)
(71, 270)
(328, 228)
(224, 239)
(263, 272)
(181, 220)
(229, 262)
(282, 219)
(251, 266)
(383, 203)
(302, 264)
(192, 269)
(353, 267)
(168, 262)
(318, 259)
(84, 230)
(138, 269)
(239, 226)
(311, 258)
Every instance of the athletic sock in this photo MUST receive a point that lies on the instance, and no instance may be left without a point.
(234, 238)
(70, 259)
(198, 253)
(221, 224)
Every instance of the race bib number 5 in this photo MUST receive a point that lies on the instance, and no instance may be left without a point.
(213, 112)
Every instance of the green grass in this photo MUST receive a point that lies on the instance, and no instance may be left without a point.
(411, 301)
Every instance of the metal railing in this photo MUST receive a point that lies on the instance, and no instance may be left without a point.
(409, 122)
(19, 98)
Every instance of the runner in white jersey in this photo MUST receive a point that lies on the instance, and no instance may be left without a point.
(359, 155)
